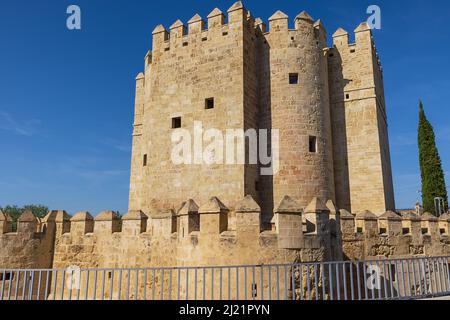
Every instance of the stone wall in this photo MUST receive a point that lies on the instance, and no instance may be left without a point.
(193, 236)
(337, 106)
(186, 67)
(360, 139)
(203, 236)
(366, 236)
(31, 247)
(207, 236)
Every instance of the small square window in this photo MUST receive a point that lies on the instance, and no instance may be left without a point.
(359, 230)
(312, 144)
(331, 55)
(405, 231)
(383, 231)
(293, 78)
(166, 49)
(352, 51)
(225, 33)
(442, 231)
(144, 160)
(204, 38)
(176, 123)
(424, 231)
(185, 44)
(209, 103)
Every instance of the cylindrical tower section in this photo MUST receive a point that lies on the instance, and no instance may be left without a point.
(300, 111)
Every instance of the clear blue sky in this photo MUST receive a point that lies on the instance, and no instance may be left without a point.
(66, 97)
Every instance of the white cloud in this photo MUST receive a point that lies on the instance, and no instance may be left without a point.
(118, 145)
(402, 140)
(88, 168)
(23, 128)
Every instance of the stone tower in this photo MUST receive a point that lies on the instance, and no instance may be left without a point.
(325, 106)
(362, 162)
(296, 103)
(187, 69)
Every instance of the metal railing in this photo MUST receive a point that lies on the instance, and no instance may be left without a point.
(357, 280)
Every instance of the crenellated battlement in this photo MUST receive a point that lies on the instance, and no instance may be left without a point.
(199, 32)
(197, 232)
(31, 246)
(366, 235)
(193, 233)
(210, 220)
(363, 45)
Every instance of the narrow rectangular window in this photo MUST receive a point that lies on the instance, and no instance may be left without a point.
(176, 123)
(312, 144)
(347, 96)
(257, 185)
(185, 44)
(144, 161)
(209, 103)
(352, 51)
(225, 33)
(293, 78)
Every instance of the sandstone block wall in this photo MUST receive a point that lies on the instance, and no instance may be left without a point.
(366, 236)
(203, 236)
(186, 67)
(336, 107)
(360, 139)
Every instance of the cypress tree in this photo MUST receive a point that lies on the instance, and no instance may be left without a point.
(433, 180)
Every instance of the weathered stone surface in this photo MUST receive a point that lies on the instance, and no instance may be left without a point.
(134, 215)
(288, 205)
(82, 216)
(248, 204)
(390, 215)
(27, 216)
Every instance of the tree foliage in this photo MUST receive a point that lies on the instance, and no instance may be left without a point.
(15, 212)
(433, 180)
